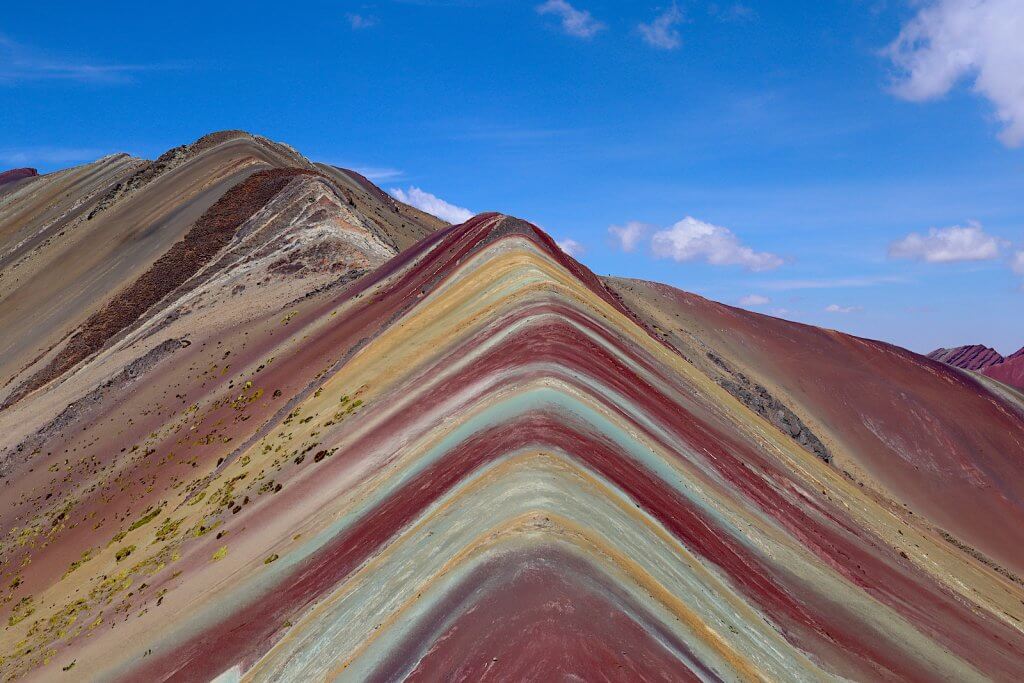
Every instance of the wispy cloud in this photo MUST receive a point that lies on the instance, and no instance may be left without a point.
(575, 22)
(360, 21)
(47, 156)
(948, 245)
(753, 300)
(508, 134)
(832, 283)
(571, 247)
(694, 240)
(432, 204)
(379, 174)
(662, 32)
(843, 310)
(1017, 263)
(628, 237)
(734, 12)
(951, 40)
(19, 64)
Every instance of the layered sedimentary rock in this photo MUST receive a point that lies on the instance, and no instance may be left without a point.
(987, 361)
(16, 174)
(330, 449)
(976, 357)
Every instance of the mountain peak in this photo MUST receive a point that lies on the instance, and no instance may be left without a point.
(275, 424)
(973, 357)
(17, 174)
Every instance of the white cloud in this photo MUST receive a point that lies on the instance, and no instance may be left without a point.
(379, 174)
(691, 240)
(836, 308)
(951, 40)
(432, 204)
(735, 12)
(627, 237)
(575, 22)
(662, 32)
(360, 21)
(26, 156)
(755, 300)
(1017, 263)
(948, 245)
(836, 283)
(19, 63)
(571, 247)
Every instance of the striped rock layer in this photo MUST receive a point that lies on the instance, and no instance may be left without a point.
(976, 357)
(986, 361)
(335, 452)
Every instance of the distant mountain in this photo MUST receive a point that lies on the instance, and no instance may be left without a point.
(1010, 371)
(17, 174)
(985, 360)
(260, 421)
(975, 357)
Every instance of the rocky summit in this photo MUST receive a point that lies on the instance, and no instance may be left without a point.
(986, 361)
(261, 421)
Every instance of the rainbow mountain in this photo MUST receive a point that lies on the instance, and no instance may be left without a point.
(263, 422)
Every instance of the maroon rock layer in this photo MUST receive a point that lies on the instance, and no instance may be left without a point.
(17, 174)
(975, 357)
(1010, 371)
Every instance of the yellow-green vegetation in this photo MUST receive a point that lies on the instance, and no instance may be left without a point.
(86, 556)
(124, 552)
(168, 529)
(272, 558)
(59, 623)
(221, 553)
(202, 529)
(223, 497)
(148, 517)
(69, 620)
(21, 611)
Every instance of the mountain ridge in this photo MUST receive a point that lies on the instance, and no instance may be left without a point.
(355, 441)
(985, 360)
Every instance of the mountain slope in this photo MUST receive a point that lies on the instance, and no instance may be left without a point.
(986, 361)
(926, 435)
(333, 452)
(1010, 371)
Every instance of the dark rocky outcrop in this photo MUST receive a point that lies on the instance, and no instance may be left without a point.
(762, 402)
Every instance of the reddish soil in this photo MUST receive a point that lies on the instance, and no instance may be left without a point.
(1010, 371)
(17, 174)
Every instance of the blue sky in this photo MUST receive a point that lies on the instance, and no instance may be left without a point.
(801, 158)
